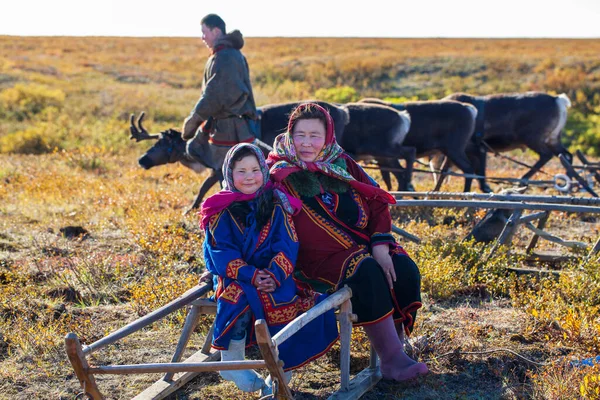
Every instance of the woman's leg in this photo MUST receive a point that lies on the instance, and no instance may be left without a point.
(407, 292)
(394, 362)
(372, 301)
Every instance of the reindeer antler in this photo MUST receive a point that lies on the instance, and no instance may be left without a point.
(139, 134)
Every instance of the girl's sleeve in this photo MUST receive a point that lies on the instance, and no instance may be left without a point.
(379, 226)
(223, 257)
(284, 245)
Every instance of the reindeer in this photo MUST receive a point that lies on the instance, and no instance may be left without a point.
(436, 126)
(377, 131)
(170, 147)
(516, 120)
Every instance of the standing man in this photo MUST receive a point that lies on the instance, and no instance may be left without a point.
(226, 110)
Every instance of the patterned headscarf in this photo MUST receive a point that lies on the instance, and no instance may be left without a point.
(221, 200)
(284, 159)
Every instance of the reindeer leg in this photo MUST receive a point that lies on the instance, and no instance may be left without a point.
(409, 154)
(444, 169)
(478, 158)
(544, 158)
(385, 174)
(411, 157)
(461, 160)
(214, 177)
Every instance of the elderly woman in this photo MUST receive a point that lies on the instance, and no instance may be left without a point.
(344, 232)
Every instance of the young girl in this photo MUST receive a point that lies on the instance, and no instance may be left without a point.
(250, 248)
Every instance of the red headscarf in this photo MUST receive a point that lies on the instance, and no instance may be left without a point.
(284, 160)
(223, 199)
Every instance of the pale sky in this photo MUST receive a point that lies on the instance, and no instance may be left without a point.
(362, 18)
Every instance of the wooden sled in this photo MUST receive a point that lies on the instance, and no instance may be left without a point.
(178, 373)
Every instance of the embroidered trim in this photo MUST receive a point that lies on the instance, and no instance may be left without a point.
(264, 232)
(233, 268)
(336, 233)
(286, 313)
(232, 293)
(283, 262)
(376, 321)
(363, 218)
(354, 261)
(291, 229)
(214, 223)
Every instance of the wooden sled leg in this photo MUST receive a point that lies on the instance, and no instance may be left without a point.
(281, 391)
(80, 366)
(190, 324)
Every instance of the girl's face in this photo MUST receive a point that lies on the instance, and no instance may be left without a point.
(247, 176)
(309, 138)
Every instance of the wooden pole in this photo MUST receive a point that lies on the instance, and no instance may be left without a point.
(509, 205)
(177, 367)
(154, 316)
(345, 338)
(582, 201)
(507, 232)
(595, 249)
(80, 366)
(541, 224)
(188, 328)
(299, 322)
(208, 340)
(405, 234)
(281, 391)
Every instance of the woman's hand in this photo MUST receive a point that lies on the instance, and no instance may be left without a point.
(381, 254)
(264, 282)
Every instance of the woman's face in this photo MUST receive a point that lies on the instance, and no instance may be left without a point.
(247, 176)
(309, 138)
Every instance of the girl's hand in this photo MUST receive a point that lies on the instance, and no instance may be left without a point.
(264, 282)
(381, 254)
(206, 277)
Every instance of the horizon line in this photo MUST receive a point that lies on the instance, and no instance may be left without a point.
(319, 37)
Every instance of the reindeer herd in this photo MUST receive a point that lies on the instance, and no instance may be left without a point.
(458, 130)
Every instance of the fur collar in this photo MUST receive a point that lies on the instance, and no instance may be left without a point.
(309, 184)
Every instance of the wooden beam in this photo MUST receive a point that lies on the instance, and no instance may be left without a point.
(509, 205)
(281, 391)
(405, 234)
(206, 347)
(181, 301)
(581, 201)
(361, 384)
(345, 338)
(299, 322)
(161, 388)
(549, 258)
(533, 217)
(507, 233)
(188, 328)
(595, 249)
(176, 367)
(80, 366)
(541, 225)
